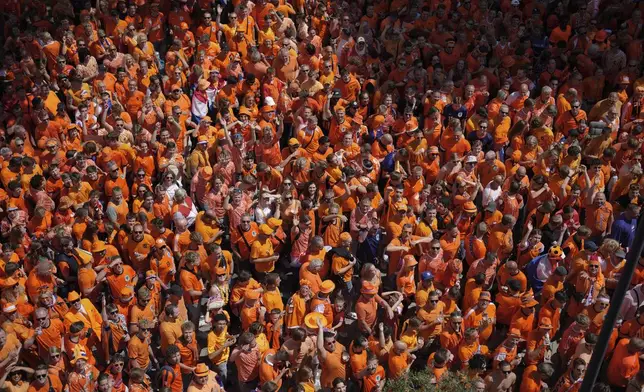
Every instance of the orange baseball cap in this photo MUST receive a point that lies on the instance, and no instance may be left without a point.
(326, 287)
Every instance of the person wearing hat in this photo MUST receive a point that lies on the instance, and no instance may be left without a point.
(405, 282)
(321, 301)
(252, 310)
(466, 216)
(14, 322)
(82, 373)
(203, 379)
(425, 287)
(87, 276)
(342, 262)
(101, 252)
(367, 306)
(581, 260)
(199, 158)
(297, 305)
(541, 267)
(482, 316)
(507, 351)
(523, 318)
(82, 309)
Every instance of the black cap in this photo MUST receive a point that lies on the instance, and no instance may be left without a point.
(590, 246)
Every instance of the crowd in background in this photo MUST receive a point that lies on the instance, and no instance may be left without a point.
(304, 195)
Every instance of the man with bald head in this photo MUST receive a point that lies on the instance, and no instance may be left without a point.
(400, 360)
(510, 270)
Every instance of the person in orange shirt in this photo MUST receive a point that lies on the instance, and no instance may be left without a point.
(373, 375)
(138, 348)
(44, 381)
(332, 357)
(536, 377)
(251, 310)
(624, 363)
(262, 255)
(482, 316)
(192, 285)
(399, 360)
(470, 346)
(510, 270)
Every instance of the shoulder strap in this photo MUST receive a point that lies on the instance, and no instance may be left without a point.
(171, 371)
(241, 233)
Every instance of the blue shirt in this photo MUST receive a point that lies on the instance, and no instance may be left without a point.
(389, 163)
(623, 230)
(368, 250)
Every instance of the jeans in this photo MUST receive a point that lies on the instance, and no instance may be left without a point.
(222, 371)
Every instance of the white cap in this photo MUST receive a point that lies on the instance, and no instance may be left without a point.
(471, 159)
(269, 101)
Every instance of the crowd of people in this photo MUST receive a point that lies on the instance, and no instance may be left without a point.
(318, 195)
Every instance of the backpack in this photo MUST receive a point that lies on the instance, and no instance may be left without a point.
(160, 374)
